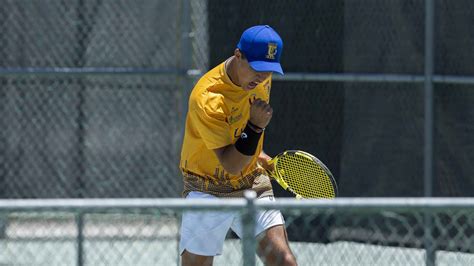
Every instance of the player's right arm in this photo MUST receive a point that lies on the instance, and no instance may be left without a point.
(231, 159)
(234, 157)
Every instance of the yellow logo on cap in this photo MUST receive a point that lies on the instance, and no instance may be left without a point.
(272, 51)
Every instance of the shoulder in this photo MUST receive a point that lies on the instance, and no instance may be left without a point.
(207, 101)
(206, 98)
(208, 93)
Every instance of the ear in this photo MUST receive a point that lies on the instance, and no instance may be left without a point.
(237, 53)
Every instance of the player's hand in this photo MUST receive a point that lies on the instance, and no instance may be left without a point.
(260, 113)
(264, 161)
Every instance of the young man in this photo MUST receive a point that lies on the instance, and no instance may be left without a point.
(222, 153)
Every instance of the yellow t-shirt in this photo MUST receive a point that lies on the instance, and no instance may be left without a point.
(218, 113)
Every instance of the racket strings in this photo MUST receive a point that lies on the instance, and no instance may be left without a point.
(305, 176)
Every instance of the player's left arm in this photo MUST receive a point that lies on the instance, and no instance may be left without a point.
(263, 158)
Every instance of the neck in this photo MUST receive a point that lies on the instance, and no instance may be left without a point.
(230, 68)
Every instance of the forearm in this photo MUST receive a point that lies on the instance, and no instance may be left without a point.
(232, 160)
(235, 157)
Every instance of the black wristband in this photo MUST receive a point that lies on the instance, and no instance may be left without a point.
(248, 141)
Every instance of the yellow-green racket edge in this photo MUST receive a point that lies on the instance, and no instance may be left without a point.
(322, 165)
(282, 182)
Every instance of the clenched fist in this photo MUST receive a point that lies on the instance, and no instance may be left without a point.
(260, 113)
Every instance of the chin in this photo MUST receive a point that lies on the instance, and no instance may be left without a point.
(247, 88)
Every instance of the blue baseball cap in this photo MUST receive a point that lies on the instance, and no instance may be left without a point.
(262, 46)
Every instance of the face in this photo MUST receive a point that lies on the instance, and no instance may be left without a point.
(248, 78)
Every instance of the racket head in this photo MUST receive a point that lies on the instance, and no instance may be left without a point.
(304, 175)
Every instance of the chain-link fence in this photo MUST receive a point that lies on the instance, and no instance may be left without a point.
(96, 136)
(93, 93)
(145, 232)
(354, 92)
(93, 97)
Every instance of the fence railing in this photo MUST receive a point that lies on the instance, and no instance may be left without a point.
(345, 231)
(70, 102)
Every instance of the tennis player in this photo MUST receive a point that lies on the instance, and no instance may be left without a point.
(222, 153)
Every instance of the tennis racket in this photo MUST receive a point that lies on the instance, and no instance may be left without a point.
(303, 175)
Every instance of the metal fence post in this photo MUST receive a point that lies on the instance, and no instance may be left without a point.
(248, 221)
(183, 81)
(185, 62)
(80, 238)
(428, 126)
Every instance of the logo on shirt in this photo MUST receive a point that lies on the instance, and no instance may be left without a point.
(237, 132)
(243, 135)
(233, 119)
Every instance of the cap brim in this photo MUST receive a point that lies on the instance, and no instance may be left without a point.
(264, 66)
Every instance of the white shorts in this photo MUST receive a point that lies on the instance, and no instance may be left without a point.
(203, 232)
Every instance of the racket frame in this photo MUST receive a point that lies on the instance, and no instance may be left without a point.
(276, 175)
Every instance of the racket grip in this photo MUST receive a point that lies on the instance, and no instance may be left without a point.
(271, 161)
